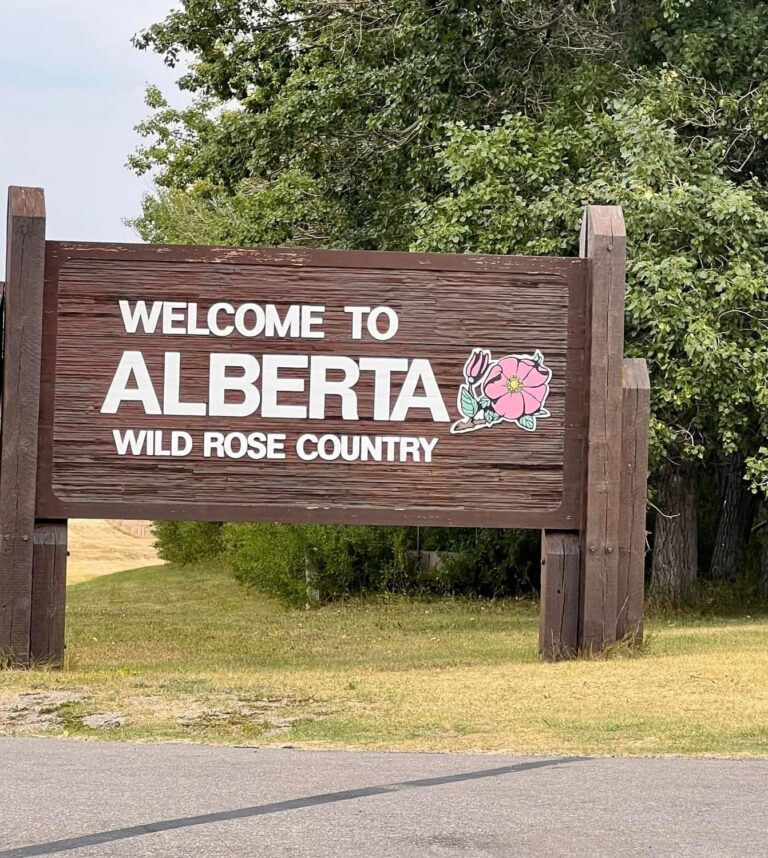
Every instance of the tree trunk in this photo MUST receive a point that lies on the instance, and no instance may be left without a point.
(675, 553)
(737, 511)
(310, 575)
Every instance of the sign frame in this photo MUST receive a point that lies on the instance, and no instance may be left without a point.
(569, 273)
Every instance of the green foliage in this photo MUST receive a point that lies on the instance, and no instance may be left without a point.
(697, 299)
(185, 542)
(348, 99)
(757, 465)
(446, 127)
(341, 561)
(338, 561)
(482, 562)
(723, 46)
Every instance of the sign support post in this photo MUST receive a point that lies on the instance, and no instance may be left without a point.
(559, 607)
(49, 582)
(604, 243)
(25, 271)
(635, 416)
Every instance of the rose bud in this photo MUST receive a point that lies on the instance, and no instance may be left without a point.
(476, 365)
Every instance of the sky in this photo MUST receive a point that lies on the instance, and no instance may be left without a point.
(71, 92)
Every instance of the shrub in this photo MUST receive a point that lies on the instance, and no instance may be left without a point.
(336, 560)
(480, 562)
(285, 560)
(184, 542)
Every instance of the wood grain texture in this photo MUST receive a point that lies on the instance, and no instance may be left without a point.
(448, 305)
(49, 582)
(603, 242)
(2, 340)
(559, 612)
(636, 410)
(25, 260)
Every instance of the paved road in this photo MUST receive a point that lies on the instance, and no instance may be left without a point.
(178, 801)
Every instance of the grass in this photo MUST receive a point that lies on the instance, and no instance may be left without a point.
(188, 654)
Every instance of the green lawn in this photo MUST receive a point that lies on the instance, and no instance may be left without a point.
(188, 654)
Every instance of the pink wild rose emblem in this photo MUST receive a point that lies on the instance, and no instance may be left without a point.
(513, 389)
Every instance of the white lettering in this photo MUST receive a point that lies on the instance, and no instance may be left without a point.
(382, 369)
(428, 446)
(420, 371)
(213, 319)
(301, 447)
(192, 327)
(272, 385)
(131, 364)
(240, 321)
(172, 403)
(311, 316)
(220, 383)
(173, 313)
(129, 440)
(373, 328)
(357, 314)
(290, 326)
(321, 387)
(140, 315)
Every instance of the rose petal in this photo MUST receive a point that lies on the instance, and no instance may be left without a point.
(532, 403)
(495, 369)
(526, 365)
(474, 364)
(496, 387)
(510, 407)
(535, 378)
(510, 366)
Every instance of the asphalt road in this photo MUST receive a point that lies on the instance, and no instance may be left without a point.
(178, 801)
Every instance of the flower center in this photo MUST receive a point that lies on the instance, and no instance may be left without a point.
(514, 384)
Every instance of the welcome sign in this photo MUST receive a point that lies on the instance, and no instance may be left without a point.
(291, 385)
(327, 386)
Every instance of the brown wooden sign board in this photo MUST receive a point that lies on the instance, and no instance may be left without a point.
(323, 386)
(363, 429)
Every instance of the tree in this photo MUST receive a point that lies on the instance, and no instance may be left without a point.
(737, 511)
(696, 271)
(486, 126)
(316, 122)
(697, 298)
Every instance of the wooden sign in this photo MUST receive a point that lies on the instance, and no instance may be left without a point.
(281, 385)
(297, 385)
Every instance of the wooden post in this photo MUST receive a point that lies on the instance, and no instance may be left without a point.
(559, 611)
(2, 372)
(635, 415)
(49, 582)
(25, 266)
(603, 242)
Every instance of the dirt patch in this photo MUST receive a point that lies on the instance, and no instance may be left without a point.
(104, 721)
(213, 713)
(37, 710)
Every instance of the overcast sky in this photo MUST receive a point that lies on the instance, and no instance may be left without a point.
(71, 92)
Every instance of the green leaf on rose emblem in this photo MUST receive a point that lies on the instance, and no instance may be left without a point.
(467, 402)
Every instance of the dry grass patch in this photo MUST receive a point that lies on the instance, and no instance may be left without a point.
(187, 654)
